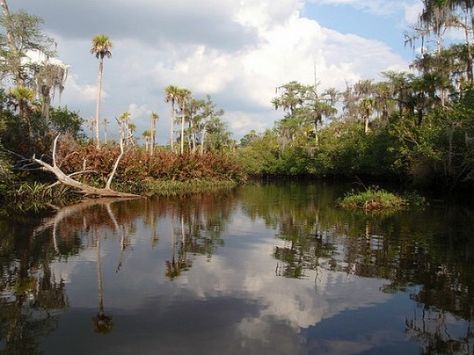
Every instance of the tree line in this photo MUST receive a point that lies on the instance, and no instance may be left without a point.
(413, 126)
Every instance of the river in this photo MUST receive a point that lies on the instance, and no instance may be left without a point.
(270, 268)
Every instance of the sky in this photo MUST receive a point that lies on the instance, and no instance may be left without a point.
(237, 51)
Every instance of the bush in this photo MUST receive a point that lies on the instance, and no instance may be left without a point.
(373, 199)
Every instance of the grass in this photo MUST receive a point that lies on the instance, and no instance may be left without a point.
(374, 199)
(177, 188)
(35, 196)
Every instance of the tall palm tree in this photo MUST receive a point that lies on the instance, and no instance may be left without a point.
(101, 48)
(183, 100)
(172, 93)
(154, 118)
(147, 137)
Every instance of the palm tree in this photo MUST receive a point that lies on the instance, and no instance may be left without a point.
(22, 97)
(367, 106)
(101, 48)
(154, 118)
(105, 122)
(147, 136)
(183, 100)
(172, 93)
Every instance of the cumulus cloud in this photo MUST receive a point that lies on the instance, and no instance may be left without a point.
(81, 92)
(413, 12)
(236, 51)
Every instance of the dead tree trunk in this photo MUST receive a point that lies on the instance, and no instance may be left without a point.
(87, 190)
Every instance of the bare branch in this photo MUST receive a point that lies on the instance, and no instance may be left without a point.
(55, 144)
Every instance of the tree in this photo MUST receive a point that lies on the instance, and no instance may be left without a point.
(51, 77)
(183, 99)
(65, 121)
(22, 100)
(147, 136)
(171, 95)
(154, 117)
(293, 96)
(22, 36)
(204, 121)
(101, 48)
(102, 322)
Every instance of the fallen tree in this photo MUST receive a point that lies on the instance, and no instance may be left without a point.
(68, 180)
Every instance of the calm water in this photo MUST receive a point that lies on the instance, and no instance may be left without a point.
(266, 269)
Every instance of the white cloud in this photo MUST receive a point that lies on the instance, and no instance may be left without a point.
(242, 122)
(261, 45)
(413, 12)
(137, 111)
(77, 91)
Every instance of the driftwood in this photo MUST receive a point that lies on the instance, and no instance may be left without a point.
(67, 179)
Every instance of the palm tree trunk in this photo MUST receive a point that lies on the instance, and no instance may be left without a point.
(97, 108)
(105, 132)
(193, 138)
(203, 136)
(153, 135)
(173, 118)
(182, 132)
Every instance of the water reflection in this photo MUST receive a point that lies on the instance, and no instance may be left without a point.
(293, 272)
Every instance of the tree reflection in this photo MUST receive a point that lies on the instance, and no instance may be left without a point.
(102, 323)
(432, 328)
(433, 250)
(198, 221)
(30, 296)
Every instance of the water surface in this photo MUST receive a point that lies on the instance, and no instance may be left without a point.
(265, 269)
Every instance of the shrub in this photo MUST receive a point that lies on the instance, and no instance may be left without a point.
(373, 199)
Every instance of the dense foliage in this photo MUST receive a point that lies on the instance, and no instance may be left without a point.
(406, 135)
(413, 126)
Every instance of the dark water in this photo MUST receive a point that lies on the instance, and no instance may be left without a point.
(266, 269)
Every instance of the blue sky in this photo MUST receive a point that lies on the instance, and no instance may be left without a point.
(344, 18)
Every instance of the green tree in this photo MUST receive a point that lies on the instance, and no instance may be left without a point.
(67, 122)
(22, 34)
